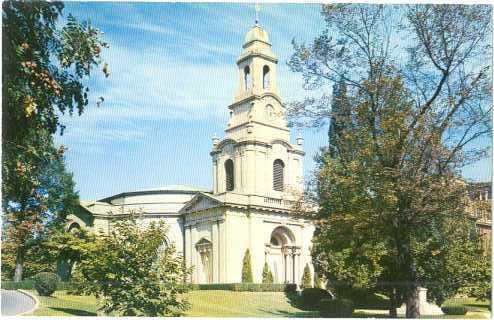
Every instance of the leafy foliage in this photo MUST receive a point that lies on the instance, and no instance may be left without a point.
(267, 275)
(45, 283)
(45, 67)
(404, 120)
(247, 268)
(135, 272)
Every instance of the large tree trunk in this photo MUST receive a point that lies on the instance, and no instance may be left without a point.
(393, 303)
(19, 265)
(393, 313)
(413, 302)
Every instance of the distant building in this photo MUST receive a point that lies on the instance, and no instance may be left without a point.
(257, 174)
(480, 209)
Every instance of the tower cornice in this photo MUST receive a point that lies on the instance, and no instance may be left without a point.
(248, 55)
(255, 97)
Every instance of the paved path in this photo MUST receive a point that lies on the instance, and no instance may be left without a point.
(15, 302)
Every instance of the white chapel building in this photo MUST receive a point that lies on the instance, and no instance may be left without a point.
(257, 175)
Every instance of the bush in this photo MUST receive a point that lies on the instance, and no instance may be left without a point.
(457, 310)
(267, 275)
(290, 287)
(247, 268)
(306, 278)
(28, 284)
(311, 298)
(337, 308)
(252, 287)
(45, 283)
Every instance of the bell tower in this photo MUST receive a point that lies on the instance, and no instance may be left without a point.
(256, 156)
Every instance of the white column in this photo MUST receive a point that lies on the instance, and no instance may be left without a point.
(215, 253)
(215, 176)
(194, 255)
(187, 251)
(222, 250)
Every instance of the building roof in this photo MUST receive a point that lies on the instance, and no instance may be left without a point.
(160, 190)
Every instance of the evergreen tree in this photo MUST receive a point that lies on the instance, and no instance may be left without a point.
(306, 278)
(340, 119)
(267, 275)
(247, 268)
(317, 281)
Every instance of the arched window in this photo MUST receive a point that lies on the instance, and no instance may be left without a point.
(265, 77)
(230, 183)
(247, 78)
(278, 175)
(269, 111)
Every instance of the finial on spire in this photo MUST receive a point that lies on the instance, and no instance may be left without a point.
(216, 140)
(258, 8)
(300, 139)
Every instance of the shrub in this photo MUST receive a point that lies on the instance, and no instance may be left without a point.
(290, 287)
(458, 310)
(134, 273)
(45, 283)
(317, 280)
(28, 284)
(306, 278)
(267, 275)
(247, 268)
(311, 298)
(337, 308)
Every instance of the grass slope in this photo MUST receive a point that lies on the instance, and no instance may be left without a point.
(220, 303)
(217, 303)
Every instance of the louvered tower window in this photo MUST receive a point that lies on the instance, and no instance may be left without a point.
(230, 183)
(278, 175)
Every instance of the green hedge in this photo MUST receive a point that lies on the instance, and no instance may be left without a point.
(253, 287)
(457, 310)
(311, 298)
(28, 284)
(337, 308)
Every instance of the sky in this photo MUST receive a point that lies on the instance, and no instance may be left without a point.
(173, 75)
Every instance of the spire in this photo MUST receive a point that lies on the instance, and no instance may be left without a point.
(258, 9)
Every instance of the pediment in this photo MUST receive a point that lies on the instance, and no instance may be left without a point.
(200, 202)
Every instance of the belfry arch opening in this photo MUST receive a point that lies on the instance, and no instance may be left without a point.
(247, 78)
(265, 77)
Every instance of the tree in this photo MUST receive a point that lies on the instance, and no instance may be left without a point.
(317, 281)
(306, 277)
(135, 271)
(392, 213)
(340, 116)
(66, 248)
(45, 68)
(247, 268)
(267, 275)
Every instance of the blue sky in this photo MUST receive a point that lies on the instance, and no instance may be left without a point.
(173, 74)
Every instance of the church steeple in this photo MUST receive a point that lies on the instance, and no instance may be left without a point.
(257, 65)
(256, 156)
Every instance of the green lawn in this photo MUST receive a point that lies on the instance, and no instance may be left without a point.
(216, 303)
(220, 303)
